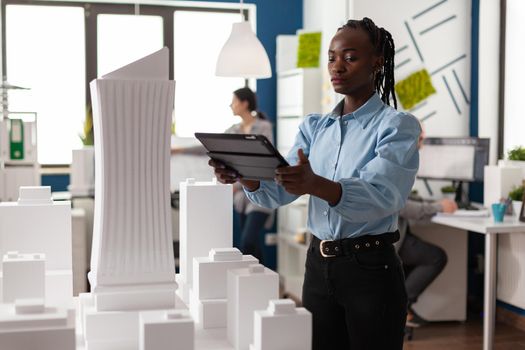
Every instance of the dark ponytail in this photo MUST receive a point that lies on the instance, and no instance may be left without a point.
(246, 94)
(383, 43)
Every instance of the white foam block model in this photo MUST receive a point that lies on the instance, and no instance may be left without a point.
(210, 313)
(282, 326)
(37, 224)
(132, 261)
(209, 273)
(208, 295)
(83, 172)
(48, 231)
(23, 276)
(58, 288)
(29, 324)
(109, 329)
(206, 222)
(165, 330)
(16, 177)
(498, 182)
(249, 289)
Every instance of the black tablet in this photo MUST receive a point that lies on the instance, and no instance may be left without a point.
(252, 156)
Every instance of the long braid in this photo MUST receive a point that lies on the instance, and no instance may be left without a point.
(383, 43)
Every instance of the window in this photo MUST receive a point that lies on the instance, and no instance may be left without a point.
(70, 43)
(122, 39)
(201, 99)
(45, 52)
(514, 124)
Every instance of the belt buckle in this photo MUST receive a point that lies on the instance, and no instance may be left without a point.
(323, 254)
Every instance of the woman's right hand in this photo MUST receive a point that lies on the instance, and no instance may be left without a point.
(226, 175)
(222, 173)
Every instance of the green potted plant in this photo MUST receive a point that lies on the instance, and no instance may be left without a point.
(448, 192)
(516, 195)
(517, 153)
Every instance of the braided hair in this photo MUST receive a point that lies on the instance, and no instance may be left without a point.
(383, 44)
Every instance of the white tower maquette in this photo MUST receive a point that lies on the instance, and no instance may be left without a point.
(132, 263)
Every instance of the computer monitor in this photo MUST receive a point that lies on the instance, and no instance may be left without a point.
(453, 158)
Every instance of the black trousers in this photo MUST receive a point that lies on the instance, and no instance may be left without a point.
(422, 262)
(358, 302)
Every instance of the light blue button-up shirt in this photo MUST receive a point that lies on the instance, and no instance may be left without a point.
(371, 152)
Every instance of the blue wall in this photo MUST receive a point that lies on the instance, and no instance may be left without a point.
(274, 17)
(58, 182)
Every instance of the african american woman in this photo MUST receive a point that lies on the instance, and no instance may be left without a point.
(358, 164)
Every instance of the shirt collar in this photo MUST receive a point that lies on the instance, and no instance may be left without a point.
(363, 114)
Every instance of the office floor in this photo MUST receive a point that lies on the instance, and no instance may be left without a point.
(464, 336)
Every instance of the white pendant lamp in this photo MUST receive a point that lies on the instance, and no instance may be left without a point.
(243, 54)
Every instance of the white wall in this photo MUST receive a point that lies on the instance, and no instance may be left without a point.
(317, 16)
(488, 89)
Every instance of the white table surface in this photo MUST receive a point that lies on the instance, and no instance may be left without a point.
(482, 225)
(491, 230)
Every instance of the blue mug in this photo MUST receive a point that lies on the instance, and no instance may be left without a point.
(498, 211)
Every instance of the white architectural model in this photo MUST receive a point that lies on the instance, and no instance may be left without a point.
(208, 296)
(25, 321)
(282, 327)
(132, 261)
(161, 330)
(499, 181)
(82, 172)
(29, 324)
(206, 222)
(37, 224)
(132, 244)
(23, 276)
(249, 289)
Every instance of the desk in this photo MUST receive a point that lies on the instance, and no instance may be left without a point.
(490, 229)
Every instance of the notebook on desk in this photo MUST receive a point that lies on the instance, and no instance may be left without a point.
(482, 213)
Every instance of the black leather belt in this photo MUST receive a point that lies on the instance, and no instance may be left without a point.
(347, 246)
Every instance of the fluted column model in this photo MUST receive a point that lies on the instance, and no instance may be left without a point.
(132, 258)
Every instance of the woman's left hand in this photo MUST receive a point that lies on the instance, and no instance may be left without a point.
(298, 179)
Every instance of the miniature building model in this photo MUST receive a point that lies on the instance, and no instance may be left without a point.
(132, 110)
(208, 295)
(29, 324)
(249, 289)
(161, 330)
(48, 231)
(206, 222)
(25, 321)
(132, 261)
(282, 315)
(23, 276)
(83, 172)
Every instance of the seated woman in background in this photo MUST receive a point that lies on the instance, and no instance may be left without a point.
(253, 218)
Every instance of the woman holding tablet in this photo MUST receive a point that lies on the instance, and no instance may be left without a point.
(358, 164)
